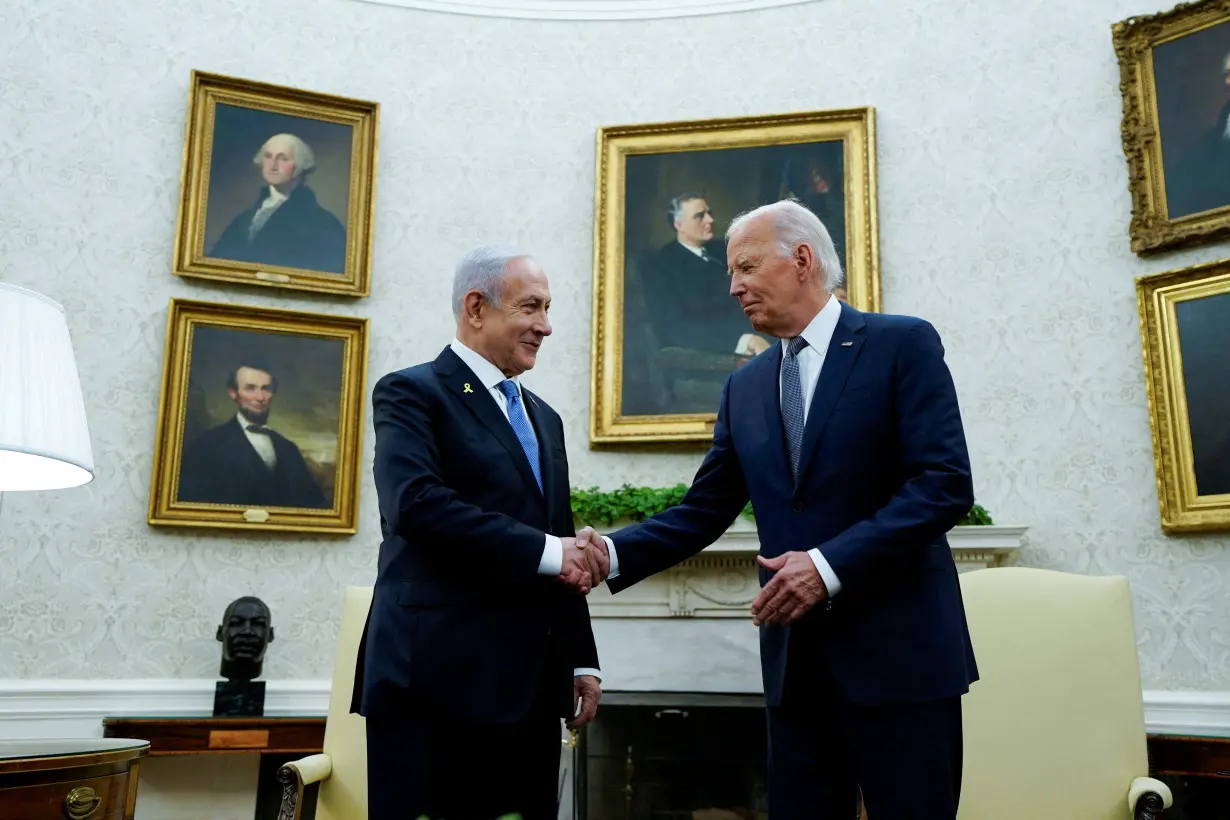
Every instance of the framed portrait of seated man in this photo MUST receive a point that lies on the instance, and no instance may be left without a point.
(1175, 78)
(277, 187)
(667, 333)
(1185, 333)
(260, 419)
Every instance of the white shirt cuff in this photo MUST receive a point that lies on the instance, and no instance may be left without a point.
(826, 572)
(552, 562)
(585, 670)
(610, 549)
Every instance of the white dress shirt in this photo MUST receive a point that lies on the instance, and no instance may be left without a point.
(552, 561)
(261, 443)
(818, 333)
(271, 204)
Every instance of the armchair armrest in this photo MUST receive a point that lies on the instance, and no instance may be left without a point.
(299, 773)
(1147, 798)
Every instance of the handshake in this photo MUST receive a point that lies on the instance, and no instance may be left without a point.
(586, 561)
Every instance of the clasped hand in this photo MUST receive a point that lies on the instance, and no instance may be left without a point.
(586, 561)
(794, 589)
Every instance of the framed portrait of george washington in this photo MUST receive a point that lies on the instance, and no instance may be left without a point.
(1185, 333)
(260, 419)
(277, 187)
(1175, 78)
(667, 332)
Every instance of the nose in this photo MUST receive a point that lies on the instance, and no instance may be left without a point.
(736, 286)
(544, 327)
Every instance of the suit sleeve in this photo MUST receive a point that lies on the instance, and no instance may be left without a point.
(717, 495)
(416, 504)
(577, 627)
(937, 489)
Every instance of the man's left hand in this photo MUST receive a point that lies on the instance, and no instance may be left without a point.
(795, 589)
(586, 691)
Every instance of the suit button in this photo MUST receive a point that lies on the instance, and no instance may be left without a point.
(796, 507)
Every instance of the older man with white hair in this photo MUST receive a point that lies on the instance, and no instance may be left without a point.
(479, 632)
(286, 226)
(847, 438)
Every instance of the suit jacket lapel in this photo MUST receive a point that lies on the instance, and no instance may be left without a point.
(839, 360)
(545, 441)
(470, 391)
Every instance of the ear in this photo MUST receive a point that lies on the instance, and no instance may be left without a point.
(472, 308)
(218, 636)
(804, 260)
(270, 635)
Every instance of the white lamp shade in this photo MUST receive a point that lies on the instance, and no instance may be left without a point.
(44, 440)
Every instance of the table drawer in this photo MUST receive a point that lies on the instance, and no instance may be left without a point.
(93, 798)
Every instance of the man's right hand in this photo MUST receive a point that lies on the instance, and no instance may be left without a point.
(586, 563)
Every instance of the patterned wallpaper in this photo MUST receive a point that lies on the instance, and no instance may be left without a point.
(1003, 215)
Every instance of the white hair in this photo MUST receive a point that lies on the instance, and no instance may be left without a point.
(305, 160)
(795, 225)
(482, 269)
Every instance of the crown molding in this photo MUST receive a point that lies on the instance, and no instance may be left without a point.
(588, 9)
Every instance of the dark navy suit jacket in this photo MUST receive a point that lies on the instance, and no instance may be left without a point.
(461, 625)
(884, 474)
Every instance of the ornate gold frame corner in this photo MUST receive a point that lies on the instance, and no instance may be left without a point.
(189, 259)
(1182, 508)
(182, 317)
(855, 127)
(1151, 229)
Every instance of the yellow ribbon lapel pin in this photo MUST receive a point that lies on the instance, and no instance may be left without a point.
(467, 388)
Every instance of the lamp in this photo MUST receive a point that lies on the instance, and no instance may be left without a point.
(44, 440)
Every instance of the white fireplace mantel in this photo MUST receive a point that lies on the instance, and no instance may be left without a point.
(721, 582)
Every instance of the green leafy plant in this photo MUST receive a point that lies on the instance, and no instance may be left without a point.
(629, 503)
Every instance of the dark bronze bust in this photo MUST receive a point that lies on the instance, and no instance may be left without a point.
(245, 632)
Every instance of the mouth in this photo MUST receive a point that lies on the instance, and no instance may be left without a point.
(533, 345)
(747, 306)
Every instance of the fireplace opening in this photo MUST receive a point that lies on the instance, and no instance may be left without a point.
(673, 756)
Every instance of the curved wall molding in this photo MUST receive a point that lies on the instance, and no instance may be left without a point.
(588, 9)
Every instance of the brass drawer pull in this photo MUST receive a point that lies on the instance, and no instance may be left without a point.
(81, 803)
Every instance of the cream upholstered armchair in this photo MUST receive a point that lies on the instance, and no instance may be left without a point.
(341, 769)
(1055, 726)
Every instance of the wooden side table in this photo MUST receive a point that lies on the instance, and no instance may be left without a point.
(88, 779)
(277, 740)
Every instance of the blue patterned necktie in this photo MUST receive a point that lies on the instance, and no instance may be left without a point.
(792, 402)
(521, 426)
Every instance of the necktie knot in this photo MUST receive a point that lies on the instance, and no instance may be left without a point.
(796, 344)
(256, 428)
(509, 389)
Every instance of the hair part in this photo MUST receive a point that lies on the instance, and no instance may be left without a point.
(232, 378)
(794, 225)
(305, 159)
(483, 270)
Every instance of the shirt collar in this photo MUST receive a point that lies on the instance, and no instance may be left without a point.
(819, 331)
(275, 196)
(245, 424)
(487, 373)
(697, 251)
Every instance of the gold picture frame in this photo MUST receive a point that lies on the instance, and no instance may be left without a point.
(232, 227)
(260, 419)
(646, 388)
(1189, 397)
(1172, 69)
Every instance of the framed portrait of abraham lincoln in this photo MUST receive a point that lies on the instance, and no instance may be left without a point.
(1175, 77)
(1185, 333)
(260, 419)
(277, 187)
(667, 332)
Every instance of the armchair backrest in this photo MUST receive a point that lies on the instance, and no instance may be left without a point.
(1055, 725)
(343, 796)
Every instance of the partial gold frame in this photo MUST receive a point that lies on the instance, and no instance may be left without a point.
(855, 127)
(1182, 508)
(183, 317)
(205, 92)
(1151, 229)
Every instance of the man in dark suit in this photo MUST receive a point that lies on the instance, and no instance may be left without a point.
(244, 461)
(848, 441)
(478, 640)
(286, 225)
